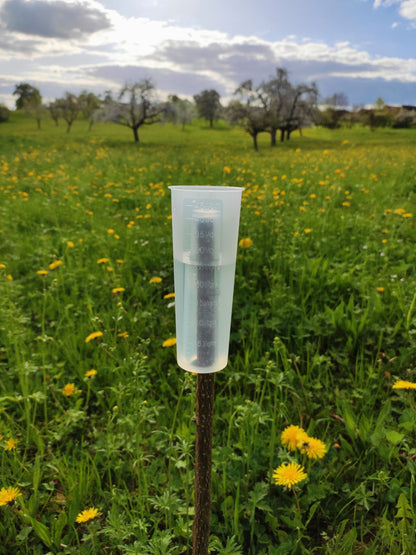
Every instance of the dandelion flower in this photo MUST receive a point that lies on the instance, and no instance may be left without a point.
(9, 277)
(87, 514)
(70, 244)
(380, 289)
(11, 444)
(93, 335)
(54, 265)
(293, 436)
(307, 230)
(90, 373)
(314, 448)
(245, 243)
(403, 384)
(7, 495)
(227, 169)
(169, 342)
(102, 260)
(123, 334)
(118, 290)
(42, 272)
(155, 279)
(169, 296)
(289, 474)
(69, 389)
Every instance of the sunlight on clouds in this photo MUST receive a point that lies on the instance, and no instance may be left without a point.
(408, 9)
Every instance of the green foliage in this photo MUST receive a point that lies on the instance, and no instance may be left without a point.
(323, 325)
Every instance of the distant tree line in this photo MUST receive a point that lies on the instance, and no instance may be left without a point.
(275, 106)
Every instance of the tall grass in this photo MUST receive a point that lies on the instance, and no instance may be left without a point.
(323, 325)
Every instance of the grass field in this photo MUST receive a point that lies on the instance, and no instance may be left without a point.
(96, 421)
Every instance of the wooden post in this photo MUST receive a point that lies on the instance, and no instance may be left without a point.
(203, 460)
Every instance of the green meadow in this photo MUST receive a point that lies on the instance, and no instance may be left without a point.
(96, 419)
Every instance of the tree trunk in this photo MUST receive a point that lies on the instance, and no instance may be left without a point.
(273, 137)
(282, 134)
(254, 135)
(136, 134)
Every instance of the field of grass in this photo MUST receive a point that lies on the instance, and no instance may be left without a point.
(96, 416)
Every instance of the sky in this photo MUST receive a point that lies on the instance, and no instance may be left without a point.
(364, 49)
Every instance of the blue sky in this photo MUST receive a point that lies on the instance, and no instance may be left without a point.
(362, 48)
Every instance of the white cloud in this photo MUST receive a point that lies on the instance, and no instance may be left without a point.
(408, 9)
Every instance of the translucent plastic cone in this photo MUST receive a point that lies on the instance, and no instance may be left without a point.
(205, 223)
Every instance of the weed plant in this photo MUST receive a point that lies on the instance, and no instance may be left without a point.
(96, 419)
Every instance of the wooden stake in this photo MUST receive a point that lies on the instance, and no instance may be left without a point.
(203, 460)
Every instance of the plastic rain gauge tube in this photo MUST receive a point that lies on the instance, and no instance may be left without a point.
(205, 223)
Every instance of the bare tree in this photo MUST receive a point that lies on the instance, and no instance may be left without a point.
(250, 112)
(89, 104)
(179, 110)
(134, 107)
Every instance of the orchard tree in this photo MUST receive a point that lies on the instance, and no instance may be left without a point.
(26, 93)
(135, 107)
(249, 112)
(89, 103)
(69, 107)
(35, 110)
(4, 113)
(208, 105)
(179, 110)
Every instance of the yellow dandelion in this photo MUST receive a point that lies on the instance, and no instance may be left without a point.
(54, 265)
(69, 389)
(169, 296)
(102, 260)
(169, 342)
(380, 289)
(155, 279)
(9, 277)
(110, 231)
(245, 243)
(70, 244)
(293, 436)
(42, 272)
(93, 335)
(403, 384)
(11, 444)
(307, 230)
(314, 448)
(227, 169)
(118, 290)
(87, 514)
(289, 474)
(90, 373)
(7, 495)
(2, 266)
(123, 334)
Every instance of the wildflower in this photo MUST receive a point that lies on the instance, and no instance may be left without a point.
(118, 290)
(155, 279)
(2, 266)
(87, 514)
(308, 230)
(123, 334)
(11, 444)
(314, 448)
(169, 342)
(169, 296)
(42, 272)
(93, 335)
(289, 474)
(7, 495)
(90, 373)
(380, 289)
(293, 436)
(9, 277)
(69, 389)
(54, 265)
(245, 243)
(110, 231)
(70, 244)
(227, 169)
(403, 384)
(102, 260)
